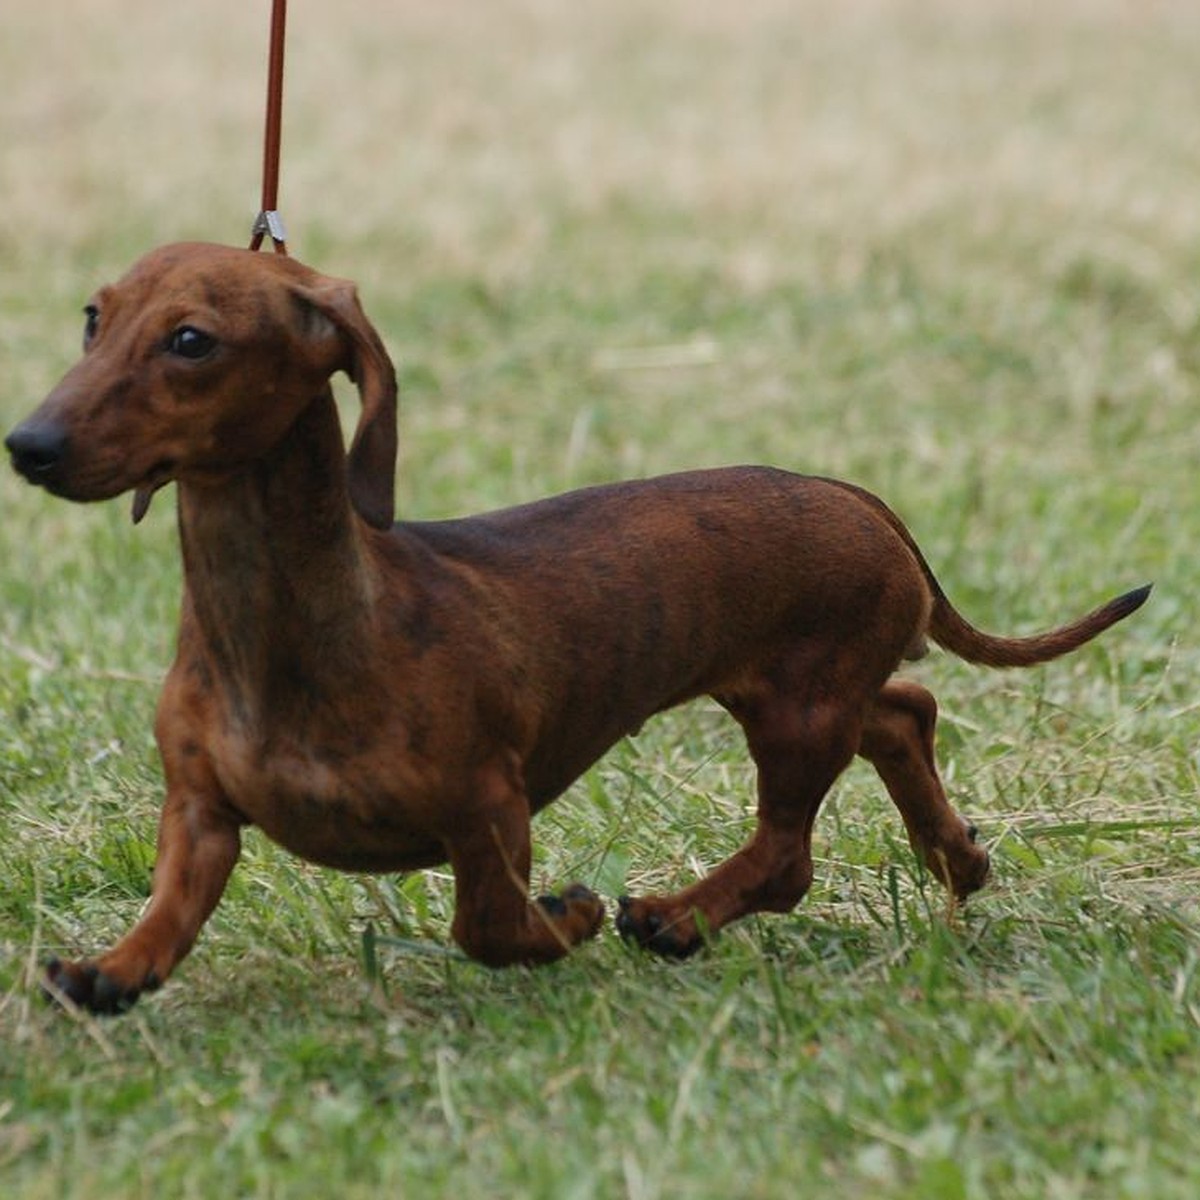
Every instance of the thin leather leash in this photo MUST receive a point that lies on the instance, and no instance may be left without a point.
(269, 222)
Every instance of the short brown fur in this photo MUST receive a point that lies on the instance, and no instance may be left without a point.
(382, 697)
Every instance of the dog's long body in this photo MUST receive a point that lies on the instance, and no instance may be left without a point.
(382, 697)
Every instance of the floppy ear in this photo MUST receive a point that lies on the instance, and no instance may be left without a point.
(372, 462)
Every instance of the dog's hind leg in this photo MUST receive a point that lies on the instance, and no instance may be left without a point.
(801, 737)
(898, 741)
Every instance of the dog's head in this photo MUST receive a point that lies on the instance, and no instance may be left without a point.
(197, 363)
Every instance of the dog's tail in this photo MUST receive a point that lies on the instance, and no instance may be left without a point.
(953, 632)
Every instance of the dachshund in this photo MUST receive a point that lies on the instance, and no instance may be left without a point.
(380, 696)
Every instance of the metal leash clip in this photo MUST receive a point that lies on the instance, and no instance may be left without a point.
(268, 223)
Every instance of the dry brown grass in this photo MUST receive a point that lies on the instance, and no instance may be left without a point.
(462, 125)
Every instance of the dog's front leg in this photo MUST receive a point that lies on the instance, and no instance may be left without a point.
(198, 845)
(496, 920)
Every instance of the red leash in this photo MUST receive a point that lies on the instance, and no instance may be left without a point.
(269, 222)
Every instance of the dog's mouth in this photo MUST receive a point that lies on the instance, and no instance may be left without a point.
(41, 451)
(162, 473)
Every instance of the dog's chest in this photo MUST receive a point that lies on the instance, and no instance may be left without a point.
(348, 811)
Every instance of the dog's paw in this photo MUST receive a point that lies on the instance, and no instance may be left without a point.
(641, 921)
(968, 869)
(86, 986)
(578, 912)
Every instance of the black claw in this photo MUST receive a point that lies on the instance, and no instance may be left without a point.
(58, 983)
(88, 987)
(671, 947)
(624, 921)
(554, 905)
(53, 981)
(109, 997)
(653, 933)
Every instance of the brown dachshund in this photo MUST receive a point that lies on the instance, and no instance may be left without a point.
(383, 697)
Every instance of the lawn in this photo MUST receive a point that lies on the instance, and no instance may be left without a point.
(948, 249)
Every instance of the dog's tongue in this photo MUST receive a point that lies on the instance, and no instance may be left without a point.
(141, 501)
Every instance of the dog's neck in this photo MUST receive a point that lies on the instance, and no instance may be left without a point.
(278, 583)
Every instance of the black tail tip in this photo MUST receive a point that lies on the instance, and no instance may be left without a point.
(1132, 601)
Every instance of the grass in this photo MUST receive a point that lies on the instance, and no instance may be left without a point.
(948, 250)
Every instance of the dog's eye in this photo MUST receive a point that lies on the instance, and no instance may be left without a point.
(91, 323)
(189, 342)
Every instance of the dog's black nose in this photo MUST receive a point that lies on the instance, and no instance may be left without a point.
(37, 449)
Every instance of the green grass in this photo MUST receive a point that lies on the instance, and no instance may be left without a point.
(948, 250)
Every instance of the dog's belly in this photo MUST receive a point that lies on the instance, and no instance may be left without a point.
(329, 834)
(352, 819)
